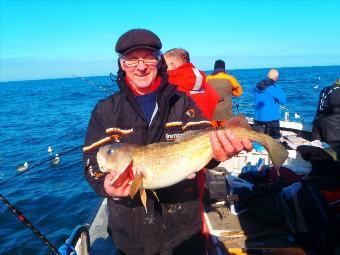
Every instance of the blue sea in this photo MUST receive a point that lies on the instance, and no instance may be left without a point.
(41, 113)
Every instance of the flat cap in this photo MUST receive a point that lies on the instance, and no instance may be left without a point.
(137, 38)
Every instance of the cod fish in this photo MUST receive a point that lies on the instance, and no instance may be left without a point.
(163, 164)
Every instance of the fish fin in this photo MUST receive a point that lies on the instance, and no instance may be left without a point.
(155, 194)
(144, 198)
(238, 121)
(218, 123)
(277, 152)
(136, 184)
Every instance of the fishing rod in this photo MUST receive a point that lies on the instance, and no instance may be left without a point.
(237, 105)
(41, 162)
(21, 216)
(25, 221)
(243, 105)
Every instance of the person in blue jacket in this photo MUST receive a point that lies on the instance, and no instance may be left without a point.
(268, 97)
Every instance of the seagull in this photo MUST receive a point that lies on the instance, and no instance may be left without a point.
(49, 150)
(23, 167)
(55, 160)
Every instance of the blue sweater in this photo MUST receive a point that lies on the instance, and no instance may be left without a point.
(268, 97)
(147, 103)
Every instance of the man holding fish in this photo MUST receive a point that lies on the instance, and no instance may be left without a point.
(135, 154)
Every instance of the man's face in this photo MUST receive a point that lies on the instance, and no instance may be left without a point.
(140, 66)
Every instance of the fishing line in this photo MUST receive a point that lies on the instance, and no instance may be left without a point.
(92, 83)
(98, 86)
(41, 162)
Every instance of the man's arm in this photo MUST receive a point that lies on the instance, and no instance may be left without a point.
(334, 100)
(95, 133)
(237, 89)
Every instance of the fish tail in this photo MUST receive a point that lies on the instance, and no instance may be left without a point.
(277, 153)
(237, 121)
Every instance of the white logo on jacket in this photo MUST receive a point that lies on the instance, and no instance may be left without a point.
(171, 137)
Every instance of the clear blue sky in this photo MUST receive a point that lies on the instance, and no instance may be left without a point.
(52, 39)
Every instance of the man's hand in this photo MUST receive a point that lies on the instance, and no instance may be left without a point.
(113, 190)
(225, 145)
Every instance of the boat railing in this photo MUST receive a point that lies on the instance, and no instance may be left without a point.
(287, 114)
(287, 121)
(286, 117)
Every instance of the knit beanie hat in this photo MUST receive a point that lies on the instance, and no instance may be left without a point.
(219, 66)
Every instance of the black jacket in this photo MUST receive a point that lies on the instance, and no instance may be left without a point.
(326, 124)
(177, 216)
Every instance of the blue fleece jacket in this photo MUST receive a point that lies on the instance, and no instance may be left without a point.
(268, 97)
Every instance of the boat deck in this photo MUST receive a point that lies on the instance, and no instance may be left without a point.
(229, 234)
(242, 234)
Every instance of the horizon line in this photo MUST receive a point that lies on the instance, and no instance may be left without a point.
(206, 71)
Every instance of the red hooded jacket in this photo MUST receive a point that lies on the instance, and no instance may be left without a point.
(192, 81)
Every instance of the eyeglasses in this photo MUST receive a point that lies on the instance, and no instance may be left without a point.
(148, 61)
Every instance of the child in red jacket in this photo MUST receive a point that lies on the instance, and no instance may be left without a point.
(191, 81)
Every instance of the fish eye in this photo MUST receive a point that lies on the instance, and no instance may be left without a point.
(110, 152)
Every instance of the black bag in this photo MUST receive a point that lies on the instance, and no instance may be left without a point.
(308, 216)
